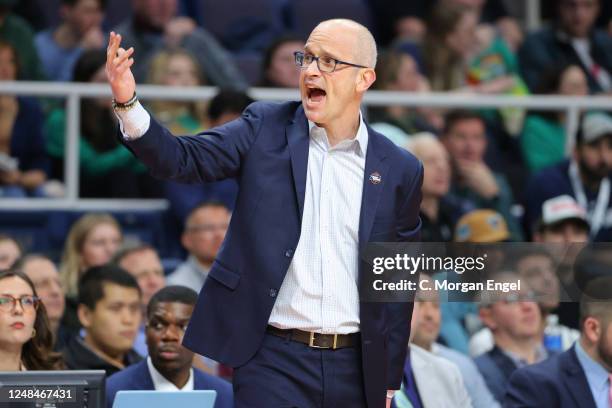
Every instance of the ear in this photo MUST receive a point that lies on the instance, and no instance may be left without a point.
(185, 241)
(487, 318)
(85, 315)
(592, 329)
(365, 79)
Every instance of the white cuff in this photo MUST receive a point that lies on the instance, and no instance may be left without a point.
(134, 122)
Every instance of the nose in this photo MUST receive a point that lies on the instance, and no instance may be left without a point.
(172, 332)
(312, 69)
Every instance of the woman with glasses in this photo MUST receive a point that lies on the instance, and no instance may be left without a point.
(26, 341)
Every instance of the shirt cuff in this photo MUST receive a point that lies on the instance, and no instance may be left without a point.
(134, 122)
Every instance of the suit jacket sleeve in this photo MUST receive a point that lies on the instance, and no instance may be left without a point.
(213, 155)
(522, 391)
(400, 313)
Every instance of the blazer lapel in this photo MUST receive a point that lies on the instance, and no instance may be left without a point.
(575, 380)
(374, 178)
(298, 138)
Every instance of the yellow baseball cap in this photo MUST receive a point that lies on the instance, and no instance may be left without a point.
(482, 226)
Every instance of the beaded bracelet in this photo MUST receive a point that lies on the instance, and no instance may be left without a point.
(126, 105)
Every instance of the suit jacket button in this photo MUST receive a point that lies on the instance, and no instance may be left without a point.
(273, 292)
(289, 253)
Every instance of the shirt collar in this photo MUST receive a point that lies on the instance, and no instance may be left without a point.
(595, 373)
(360, 140)
(162, 384)
(540, 355)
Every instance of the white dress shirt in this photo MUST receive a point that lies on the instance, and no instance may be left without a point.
(320, 291)
(162, 384)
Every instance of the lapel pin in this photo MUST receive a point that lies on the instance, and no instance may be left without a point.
(375, 178)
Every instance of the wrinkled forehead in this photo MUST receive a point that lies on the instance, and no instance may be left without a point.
(332, 40)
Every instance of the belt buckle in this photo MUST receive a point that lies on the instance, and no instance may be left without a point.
(312, 338)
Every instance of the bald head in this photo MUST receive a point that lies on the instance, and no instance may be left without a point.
(423, 143)
(364, 43)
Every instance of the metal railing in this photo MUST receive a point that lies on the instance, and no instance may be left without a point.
(75, 92)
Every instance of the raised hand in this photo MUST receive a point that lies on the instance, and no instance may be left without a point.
(118, 72)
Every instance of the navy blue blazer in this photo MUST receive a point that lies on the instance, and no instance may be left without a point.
(138, 377)
(557, 382)
(266, 150)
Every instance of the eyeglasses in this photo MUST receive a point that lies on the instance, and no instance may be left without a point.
(9, 303)
(324, 63)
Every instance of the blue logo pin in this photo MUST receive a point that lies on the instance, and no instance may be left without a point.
(375, 178)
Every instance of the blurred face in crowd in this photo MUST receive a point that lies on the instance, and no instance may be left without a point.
(512, 315)
(16, 320)
(436, 163)
(408, 76)
(84, 15)
(466, 140)
(181, 71)
(8, 64)
(282, 70)
(45, 278)
(426, 318)
(462, 40)
(565, 232)
(595, 158)
(156, 13)
(205, 231)
(100, 245)
(577, 17)
(112, 325)
(165, 329)
(9, 253)
(574, 82)
(538, 270)
(146, 267)
(596, 333)
(335, 96)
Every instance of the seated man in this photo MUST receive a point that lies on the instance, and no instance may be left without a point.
(109, 311)
(142, 262)
(168, 367)
(204, 233)
(429, 381)
(578, 378)
(515, 321)
(426, 318)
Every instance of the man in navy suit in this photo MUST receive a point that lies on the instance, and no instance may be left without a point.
(168, 366)
(579, 377)
(281, 303)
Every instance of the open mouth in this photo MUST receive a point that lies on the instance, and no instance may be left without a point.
(316, 95)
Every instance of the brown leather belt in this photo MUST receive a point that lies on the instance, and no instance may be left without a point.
(316, 340)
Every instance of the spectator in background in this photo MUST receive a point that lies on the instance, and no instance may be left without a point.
(426, 319)
(515, 321)
(10, 251)
(80, 29)
(18, 33)
(579, 377)
(26, 341)
(23, 162)
(398, 71)
(168, 366)
(226, 106)
(279, 70)
(572, 40)
(439, 210)
(154, 25)
(177, 67)
(92, 241)
(204, 233)
(543, 139)
(585, 177)
(101, 157)
(45, 278)
(464, 136)
(110, 312)
(143, 263)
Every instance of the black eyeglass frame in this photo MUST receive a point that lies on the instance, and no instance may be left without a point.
(299, 61)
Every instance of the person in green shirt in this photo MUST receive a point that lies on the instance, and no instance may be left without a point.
(17, 32)
(543, 139)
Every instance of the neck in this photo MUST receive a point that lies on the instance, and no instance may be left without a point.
(342, 129)
(203, 263)
(422, 344)
(178, 377)
(112, 357)
(590, 181)
(430, 206)
(65, 36)
(524, 348)
(10, 358)
(54, 327)
(591, 350)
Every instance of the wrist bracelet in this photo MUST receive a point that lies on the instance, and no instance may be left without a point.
(125, 106)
